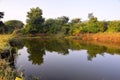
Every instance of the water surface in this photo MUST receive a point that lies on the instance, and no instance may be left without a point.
(67, 60)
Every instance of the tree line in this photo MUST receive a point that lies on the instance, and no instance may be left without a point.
(36, 23)
(9, 26)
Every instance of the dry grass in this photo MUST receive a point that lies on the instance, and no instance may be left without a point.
(6, 72)
(4, 41)
(103, 37)
(107, 39)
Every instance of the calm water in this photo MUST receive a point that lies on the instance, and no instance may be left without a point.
(67, 60)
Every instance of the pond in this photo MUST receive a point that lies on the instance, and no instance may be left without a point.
(46, 59)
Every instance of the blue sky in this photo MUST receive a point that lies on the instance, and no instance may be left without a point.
(102, 9)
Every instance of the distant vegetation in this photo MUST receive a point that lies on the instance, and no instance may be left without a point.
(35, 23)
(9, 26)
(62, 25)
(13, 25)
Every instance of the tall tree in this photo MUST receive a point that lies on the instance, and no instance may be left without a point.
(1, 14)
(76, 20)
(90, 15)
(63, 19)
(2, 25)
(35, 20)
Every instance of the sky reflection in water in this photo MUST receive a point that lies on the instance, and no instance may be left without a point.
(68, 60)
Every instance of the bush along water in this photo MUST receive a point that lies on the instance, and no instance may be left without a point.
(8, 71)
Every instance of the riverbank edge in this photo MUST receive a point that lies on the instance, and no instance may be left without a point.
(7, 73)
(89, 37)
(106, 37)
(97, 37)
(4, 42)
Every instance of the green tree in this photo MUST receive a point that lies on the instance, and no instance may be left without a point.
(113, 26)
(75, 29)
(55, 25)
(60, 22)
(102, 26)
(92, 25)
(13, 25)
(76, 20)
(90, 15)
(52, 26)
(2, 25)
(35, 21)
(1, 14)
(63, 19)
(48, 24)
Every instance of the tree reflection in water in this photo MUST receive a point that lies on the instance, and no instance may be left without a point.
(37, 48)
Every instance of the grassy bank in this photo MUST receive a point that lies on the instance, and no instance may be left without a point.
(99, 37)
(4, 39)
(103, 37)
(6, 72)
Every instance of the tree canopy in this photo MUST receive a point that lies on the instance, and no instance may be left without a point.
(2, 25)
(13, 25)
(1, 14)
(34, 21)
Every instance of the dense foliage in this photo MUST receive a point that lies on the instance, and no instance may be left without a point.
(114, 26)
(35, 23)
(55, 25)
(62, 25)
(1, 15)
(9, 26)
(13, 25)
(2, 26)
